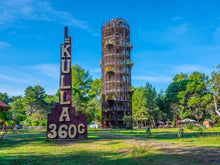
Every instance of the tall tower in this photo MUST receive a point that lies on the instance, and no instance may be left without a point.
(116, 67)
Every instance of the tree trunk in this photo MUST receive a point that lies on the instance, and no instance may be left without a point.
(216, 107)
(151, 122)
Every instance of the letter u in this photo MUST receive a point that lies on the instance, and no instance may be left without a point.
(67, 67)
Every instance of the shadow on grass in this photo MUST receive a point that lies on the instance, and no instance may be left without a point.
(85, 156)
(39, 138)
(98, 158)
(164, 135)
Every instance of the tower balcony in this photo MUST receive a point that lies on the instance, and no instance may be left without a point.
(100, 63)
(130, 62)
(109, 69)
(131, 89)
(109, 43)
(110, 97)
(128, 45)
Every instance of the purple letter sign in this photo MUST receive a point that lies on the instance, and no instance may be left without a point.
(62, 122)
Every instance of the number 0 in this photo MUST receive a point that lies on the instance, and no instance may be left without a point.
(74, 131)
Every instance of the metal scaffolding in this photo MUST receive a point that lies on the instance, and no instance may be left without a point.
(116, 67)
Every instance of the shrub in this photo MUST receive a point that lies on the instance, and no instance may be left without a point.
(174, 123)
(9, 123)
(141, 149)
(19, 118)
(189, 126)
(45, 122)
(35, 123)
(42, 123)
(27, 122)
(129, 121)
(35, 116)
(216, 125)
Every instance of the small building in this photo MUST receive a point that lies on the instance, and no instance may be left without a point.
(3, 107)
(208, 123)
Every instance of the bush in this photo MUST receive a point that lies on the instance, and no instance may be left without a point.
(189, 126)
(19, 118)
(35, 116)
(10, 123)
(45, 122)
(42, 123)
(35, 123)
(216, 125)
(141, 149)
(129, 121)
(27, 122)
(174, 123)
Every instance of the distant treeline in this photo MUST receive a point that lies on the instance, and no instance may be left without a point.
(195, 96)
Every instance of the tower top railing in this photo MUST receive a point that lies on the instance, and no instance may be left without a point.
(118, 22)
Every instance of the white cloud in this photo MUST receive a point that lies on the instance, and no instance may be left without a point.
(12, 90)
(161, 79)
(15, 79)
(12, 79)
(4, 44)
(186, 68)
(50, 70)
(14, 10)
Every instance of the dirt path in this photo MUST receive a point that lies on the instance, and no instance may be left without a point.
(211, 155)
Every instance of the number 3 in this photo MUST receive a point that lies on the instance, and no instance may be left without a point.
(53, 131)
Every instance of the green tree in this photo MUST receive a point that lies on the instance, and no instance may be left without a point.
(5, 98)
(151, 106)
(17, 107)
(94, 104)
(50, 101)
(196, 90)
(34, 100)
(81, 82)
(188, 97)
(180, 77)
(139, 104)
(19, 118)
(144, 107)
(175, 99)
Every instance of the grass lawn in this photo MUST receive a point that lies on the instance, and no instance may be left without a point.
(209, 136)
(99, 148)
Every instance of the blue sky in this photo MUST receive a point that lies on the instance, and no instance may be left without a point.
(168, 37)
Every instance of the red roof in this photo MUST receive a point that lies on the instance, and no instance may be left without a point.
(2, 104)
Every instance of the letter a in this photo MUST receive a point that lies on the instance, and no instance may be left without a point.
(65, 114)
